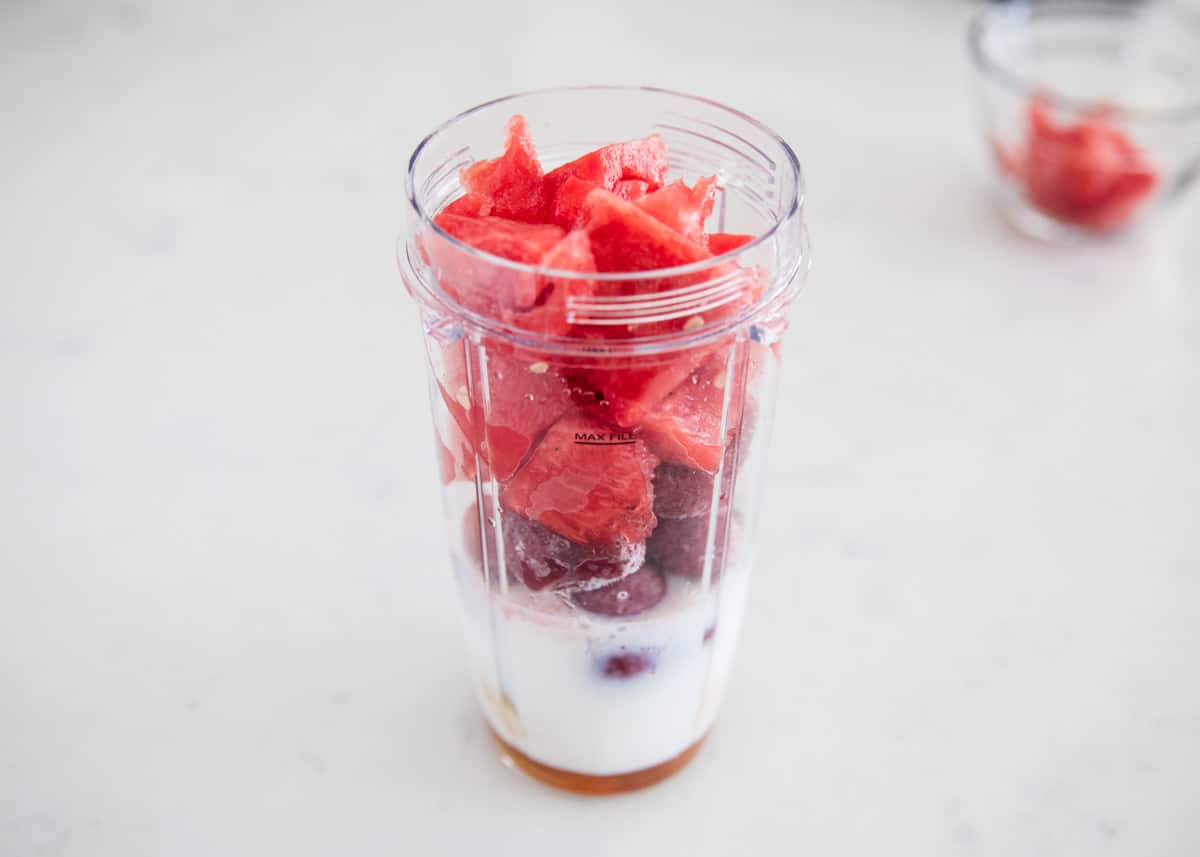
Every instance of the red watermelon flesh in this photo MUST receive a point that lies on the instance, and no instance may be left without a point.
(480, 284)
(511, 239)
(449, 362)
(644, 159)
(686, 427)
(586, 483)
(683, 208)
(725, 242)
(550, 314)
(631, 190)
(456, 454)
(469, 205)
(514, 181)
(1089, 173)
(626, 238)
(631, 388)
(567, 208)
(1126, 196)
(525, 395)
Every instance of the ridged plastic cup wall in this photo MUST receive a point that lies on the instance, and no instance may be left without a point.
(579, 698)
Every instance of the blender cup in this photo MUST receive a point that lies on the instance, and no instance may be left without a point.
(600, 477)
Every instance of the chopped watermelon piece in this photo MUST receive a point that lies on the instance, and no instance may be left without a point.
(631, 190)
(645, 160)
(683, 208)
(456, 455)
(514, 181)
(469, 205)
(524, 396)
(587, 483)
(686, 427)
(1089, 173)
(480, 284)
(1125, 197)
(567, 209)
(511, 239)
(631, 388)
(626, 238)
(725, 242)
(549, 315)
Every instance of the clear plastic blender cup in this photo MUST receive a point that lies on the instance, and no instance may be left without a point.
(600, 483)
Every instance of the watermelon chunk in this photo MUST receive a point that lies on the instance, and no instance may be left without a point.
(524, 396)
(480, 284)
(683, 208)
(686, 427)
(549, 315)
(1125, 197)
(456, 455)
(1088, 173)
(513, 182)
(631, 190)
(469, 205)
(631, 388)
(567, 209)
(586, 483)
(511, 239)
(645, 160)
(725, 242)
(626, 238)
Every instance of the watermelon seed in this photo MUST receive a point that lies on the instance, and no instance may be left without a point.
(539, 368)
(719, 382)
(694, 322)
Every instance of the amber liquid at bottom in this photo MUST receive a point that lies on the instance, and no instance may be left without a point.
(592, 784)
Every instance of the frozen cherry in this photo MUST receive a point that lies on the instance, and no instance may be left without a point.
(540, 557)
(677, 546)
(626, 665)
(681, 491)
(628, 596)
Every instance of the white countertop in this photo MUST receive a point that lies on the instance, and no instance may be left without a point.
(227, 624)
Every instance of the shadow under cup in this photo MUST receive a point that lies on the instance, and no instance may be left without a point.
(600, 484)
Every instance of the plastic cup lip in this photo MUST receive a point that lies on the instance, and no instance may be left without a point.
(994, 68)
(426, 221)
(781, 289)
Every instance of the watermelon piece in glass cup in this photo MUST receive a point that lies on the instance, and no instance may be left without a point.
(604, 352)
(1091, 112)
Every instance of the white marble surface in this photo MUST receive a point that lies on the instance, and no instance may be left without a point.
(226, 617)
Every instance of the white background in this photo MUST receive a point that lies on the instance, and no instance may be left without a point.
(226, 620)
